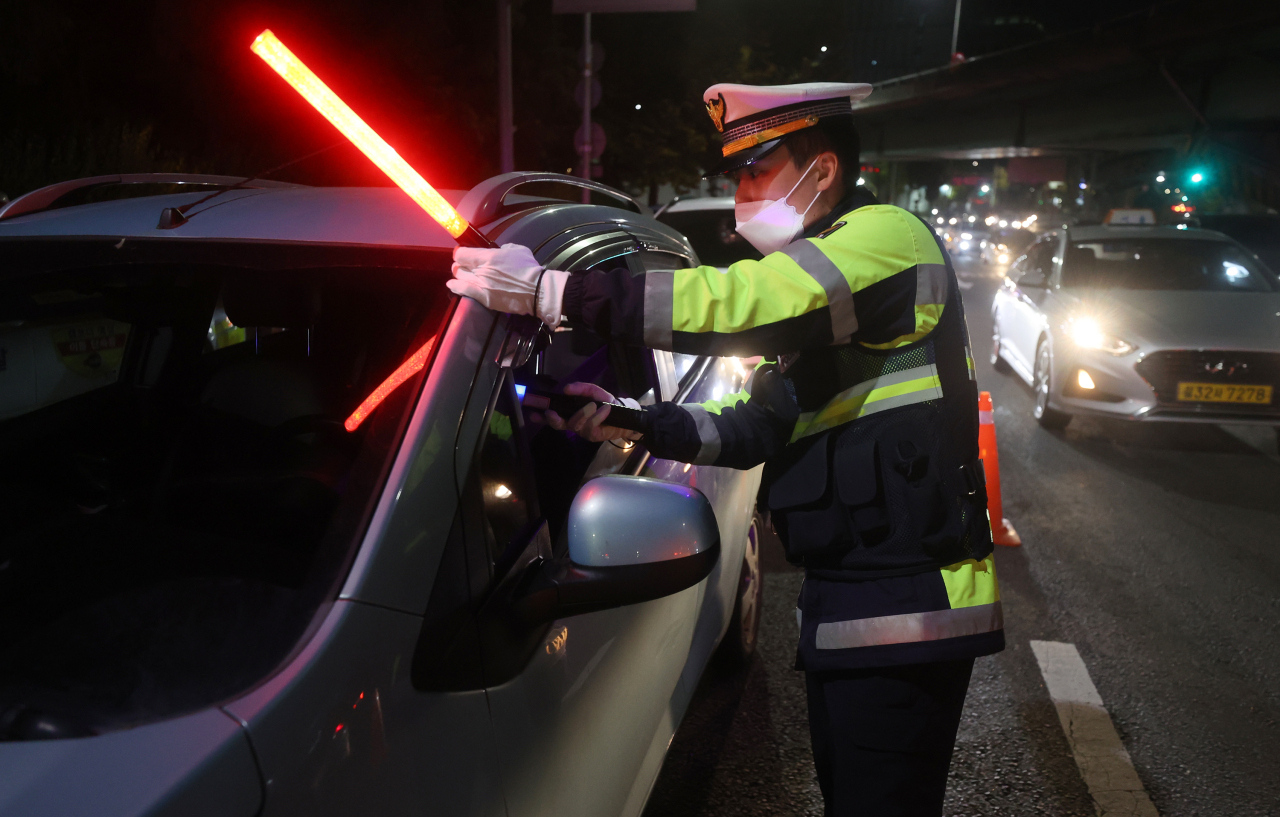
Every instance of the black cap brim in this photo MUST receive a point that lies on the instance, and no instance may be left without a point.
(739, 160)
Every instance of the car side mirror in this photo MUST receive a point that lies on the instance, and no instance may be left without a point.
(631, 540)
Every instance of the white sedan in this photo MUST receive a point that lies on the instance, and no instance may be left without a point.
(1142, 323)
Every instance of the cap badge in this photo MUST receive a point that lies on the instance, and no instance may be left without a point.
(715, 109)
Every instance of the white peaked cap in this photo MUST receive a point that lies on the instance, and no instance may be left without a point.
(742, 101)
(754, 119)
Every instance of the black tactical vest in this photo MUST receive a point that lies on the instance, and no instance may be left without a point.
(894, 492)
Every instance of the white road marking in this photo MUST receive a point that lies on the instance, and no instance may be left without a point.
(965, 285)
(1104, 763)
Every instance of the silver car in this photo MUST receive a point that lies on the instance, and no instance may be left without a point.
(1142, 323)
(280, 538)
(708, 224)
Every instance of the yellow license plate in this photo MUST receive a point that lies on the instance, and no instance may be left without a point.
(1220, 393)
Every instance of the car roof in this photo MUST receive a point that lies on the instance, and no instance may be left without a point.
(328, 215)
(705, 203)
(1172, 233)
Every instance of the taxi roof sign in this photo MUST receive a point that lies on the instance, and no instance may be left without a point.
(1130, 216)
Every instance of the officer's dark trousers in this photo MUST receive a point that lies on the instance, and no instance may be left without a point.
(882, 737)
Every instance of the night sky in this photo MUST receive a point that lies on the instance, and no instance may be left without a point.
(91, 88)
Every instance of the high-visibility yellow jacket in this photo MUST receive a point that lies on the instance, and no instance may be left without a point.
(874, 275)
(865, 415)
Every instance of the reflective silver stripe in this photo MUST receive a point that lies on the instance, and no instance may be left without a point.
(659, 295)
(839, 296)
(931, 284)
(871, 396)
(899, 400)
(710, 450)
(909, 627)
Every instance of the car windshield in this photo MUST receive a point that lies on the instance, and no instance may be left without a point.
(1164, 264)
(180, 493)
(712, 234)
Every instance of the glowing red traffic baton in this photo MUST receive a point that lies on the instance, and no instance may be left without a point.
(294, 72)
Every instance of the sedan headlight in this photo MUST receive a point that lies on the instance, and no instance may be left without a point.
(1087, 334)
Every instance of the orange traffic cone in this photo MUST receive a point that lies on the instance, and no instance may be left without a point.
(1002, 533)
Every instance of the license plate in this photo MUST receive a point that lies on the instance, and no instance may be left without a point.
(1221, 393)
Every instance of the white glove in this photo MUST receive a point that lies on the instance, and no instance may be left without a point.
(505, 280)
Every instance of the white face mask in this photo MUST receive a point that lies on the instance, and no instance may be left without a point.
(771, 225)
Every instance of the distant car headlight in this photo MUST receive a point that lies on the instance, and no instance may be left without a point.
(964, 245)
(966, 236)
(1003, 258)
(1087, 334)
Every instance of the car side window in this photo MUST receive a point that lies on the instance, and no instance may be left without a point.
(502, 469)
(563, 461)
(1038, 264)
(497, 517)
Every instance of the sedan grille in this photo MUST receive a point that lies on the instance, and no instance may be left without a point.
(1165, 370)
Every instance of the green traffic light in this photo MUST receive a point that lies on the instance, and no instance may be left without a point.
(1197, 177)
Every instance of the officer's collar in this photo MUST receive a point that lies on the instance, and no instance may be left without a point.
(855, 198)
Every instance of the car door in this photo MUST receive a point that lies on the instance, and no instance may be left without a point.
(1021, 328)
(579, 716)
(379, 712)
(732, 493)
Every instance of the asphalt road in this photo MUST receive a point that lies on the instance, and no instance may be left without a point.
(1155, 549)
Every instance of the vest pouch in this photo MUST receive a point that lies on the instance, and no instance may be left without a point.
(802, 504)
(922, 492)
(933, 497)
(858, 485)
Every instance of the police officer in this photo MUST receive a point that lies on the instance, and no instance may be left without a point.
(864, 413)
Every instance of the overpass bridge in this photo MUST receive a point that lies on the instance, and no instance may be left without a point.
(1177, 83)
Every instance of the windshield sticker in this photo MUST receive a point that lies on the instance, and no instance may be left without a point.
(92, 348)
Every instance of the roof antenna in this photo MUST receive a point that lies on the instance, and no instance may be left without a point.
(171, 217)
